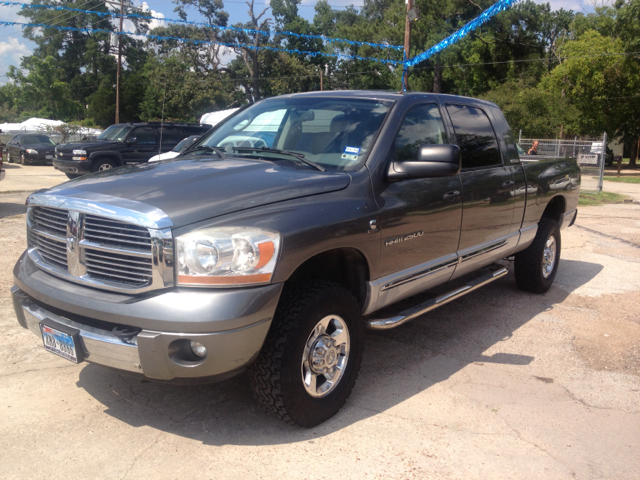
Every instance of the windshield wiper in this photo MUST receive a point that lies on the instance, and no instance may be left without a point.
(299, 156)
(218, 150)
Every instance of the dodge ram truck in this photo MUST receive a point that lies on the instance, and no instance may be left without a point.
(274, 241)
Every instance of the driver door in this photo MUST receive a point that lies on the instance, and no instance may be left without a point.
(420, 218)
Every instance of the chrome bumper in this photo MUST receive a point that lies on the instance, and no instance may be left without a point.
(100, 346)
(150, 352)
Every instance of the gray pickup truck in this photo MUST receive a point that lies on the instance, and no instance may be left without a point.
(277, 238)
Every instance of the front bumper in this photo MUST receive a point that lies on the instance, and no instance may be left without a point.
(73, 166)
(231, 323)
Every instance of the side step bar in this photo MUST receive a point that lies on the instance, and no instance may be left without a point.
(421, 309)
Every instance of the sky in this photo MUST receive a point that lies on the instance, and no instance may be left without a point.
(13, 46)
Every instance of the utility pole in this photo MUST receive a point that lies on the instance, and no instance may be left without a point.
(321, 86)
(407, 45)
(119, 63)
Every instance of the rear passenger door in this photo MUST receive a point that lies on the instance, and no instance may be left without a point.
(487, 189)
(170, 137)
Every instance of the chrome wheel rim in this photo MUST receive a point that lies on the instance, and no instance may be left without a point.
(104, 166)
(549, 256)
(325, 356)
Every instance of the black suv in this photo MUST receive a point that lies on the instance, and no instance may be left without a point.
(121, 144)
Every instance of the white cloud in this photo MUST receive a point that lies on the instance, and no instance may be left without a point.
(11, 52)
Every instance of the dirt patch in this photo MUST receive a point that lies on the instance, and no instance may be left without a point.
(606, 331)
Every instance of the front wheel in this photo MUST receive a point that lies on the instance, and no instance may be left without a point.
(23, 160)
(310, 360)
(103, 164)
(536, 266)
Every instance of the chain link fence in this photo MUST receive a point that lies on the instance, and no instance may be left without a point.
(590, 155)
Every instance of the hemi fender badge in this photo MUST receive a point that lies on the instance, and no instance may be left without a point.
(403, 238)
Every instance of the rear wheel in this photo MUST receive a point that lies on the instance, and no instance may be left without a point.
(8, 157)
(310, 360)
(102, 164)
(536, 266)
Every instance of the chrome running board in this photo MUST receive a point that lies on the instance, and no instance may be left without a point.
(421, 309)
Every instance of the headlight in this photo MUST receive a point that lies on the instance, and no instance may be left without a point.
(227, 256)
(32, 151)
(79, 152)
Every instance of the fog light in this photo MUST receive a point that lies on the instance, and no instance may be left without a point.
(199, 350)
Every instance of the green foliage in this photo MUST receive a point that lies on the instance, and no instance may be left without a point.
(537, 113)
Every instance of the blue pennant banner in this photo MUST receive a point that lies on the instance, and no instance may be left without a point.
(463, 32)
(203, 42)
(199, 24)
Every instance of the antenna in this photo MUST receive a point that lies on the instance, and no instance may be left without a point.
(164, 95)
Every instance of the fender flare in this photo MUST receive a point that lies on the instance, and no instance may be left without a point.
(107, 153)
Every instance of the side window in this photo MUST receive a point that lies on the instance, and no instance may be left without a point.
(145, 135)
(422, 125)
(172, 135)
(475, 135)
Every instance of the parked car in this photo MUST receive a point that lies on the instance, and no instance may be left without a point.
(28, 148)
(177, 150)
(126, 143)
(276, 258)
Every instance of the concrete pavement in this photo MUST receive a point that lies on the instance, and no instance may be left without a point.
(30, 177)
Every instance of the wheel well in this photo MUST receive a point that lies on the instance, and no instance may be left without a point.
(555, 208)
(344, 266)
(113, 158)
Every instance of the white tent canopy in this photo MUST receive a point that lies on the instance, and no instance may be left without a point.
(215, 118)
(40, 125)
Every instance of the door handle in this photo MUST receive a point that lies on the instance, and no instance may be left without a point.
(451, 195)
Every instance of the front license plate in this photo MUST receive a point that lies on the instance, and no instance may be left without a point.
(48, 157)
(60, 343)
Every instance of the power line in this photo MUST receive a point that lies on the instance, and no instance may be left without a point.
(208, 42)
(58, 16)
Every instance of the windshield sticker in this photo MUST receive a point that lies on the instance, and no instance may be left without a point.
(351, 153)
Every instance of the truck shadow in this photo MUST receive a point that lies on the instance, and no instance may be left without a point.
(398, 364)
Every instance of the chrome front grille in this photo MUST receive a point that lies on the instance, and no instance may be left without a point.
(117, 234)
(53, 251)
(100, 251)
(118, 268)
(51, 220)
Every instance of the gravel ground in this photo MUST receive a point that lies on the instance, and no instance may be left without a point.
(501, 384)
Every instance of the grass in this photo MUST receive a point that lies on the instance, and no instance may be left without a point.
(622, 179)
(600, 198)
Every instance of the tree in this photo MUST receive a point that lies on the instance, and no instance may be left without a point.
(593, 77)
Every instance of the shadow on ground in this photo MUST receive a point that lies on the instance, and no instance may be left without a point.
(398, 364)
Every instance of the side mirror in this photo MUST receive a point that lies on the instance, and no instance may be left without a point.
(132, 140)
(431, 161)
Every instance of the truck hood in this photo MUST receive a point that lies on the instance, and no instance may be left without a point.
(89, 144)
(193, 190)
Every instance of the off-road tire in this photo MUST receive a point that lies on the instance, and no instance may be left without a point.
(528, 263)
(99, 162)
(276, 378)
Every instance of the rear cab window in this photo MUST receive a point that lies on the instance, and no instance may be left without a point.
(475, 137)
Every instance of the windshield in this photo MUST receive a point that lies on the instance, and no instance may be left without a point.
(336, 133)
(37, 140)
(115, 133)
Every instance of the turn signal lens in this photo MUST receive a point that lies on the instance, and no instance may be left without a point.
(226, 256)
